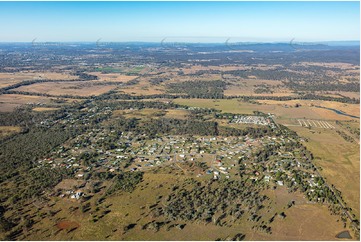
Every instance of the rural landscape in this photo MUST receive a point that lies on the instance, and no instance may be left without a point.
(179, 141)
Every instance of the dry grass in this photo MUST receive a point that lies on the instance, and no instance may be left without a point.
(10, 101)
(176, 113)
(8, 130)
(145, 113)
(340, 161)
(144, 87)
(352, 109)
(192, 69)
(43, 109)
(236, 106)
(67, 88)
(246, 87)
(345, 66)
(113, 77)
(7, 79)
(303, 222)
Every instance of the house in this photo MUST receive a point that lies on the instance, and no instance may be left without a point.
(280, 183)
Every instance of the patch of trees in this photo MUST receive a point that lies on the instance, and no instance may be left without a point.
(308, 96)
(220, 203)
(345, 136)
(198, 89)
(190, 126)
(324, 86)
(263, 88)
(85, 76)
(352, 130)
(126, 182)
(21, 116)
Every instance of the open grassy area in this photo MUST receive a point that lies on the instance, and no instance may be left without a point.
(340, 162)
(43, 109)
(135, 209)
(8, 130)
(225, 105)
(146, 113)
(144, 87)
(284, 110)
(8, 102)
(67, 88)
(7, 79)
(112, 77)
(177, 114)
(352, 109)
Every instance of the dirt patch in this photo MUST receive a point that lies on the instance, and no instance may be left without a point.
(66, 224)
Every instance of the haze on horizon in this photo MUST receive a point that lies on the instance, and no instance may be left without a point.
(179, 21)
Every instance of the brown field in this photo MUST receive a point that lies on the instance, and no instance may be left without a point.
(176, 113)
(283, 110)
(350, 94)
(67, 224)
(303, 221)
(192, 69)
(142, 88)
(246, 87)
(113, 77)
(84, 88)
(352, 109)
(145, 113)
(7, 79)
(340, 65)
(43, 109)
(339, 159)
(10, 101)
(8, 130)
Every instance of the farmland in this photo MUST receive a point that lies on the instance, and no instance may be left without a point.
(7, 79)
(67, 88)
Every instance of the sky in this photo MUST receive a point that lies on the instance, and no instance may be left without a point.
(179, 21)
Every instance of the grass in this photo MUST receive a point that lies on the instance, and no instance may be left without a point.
(145, 113)
(109, 69)
(176, 113)
(353, 109)
(7, 79)
(340, 162)
(43, 109)
(144, 87)
(10, 101)
(67, 88)
(133, 208)
(225, 105)
(112, 77)
(8, 130)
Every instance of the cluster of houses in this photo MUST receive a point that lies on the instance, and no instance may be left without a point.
(258, 120)
(223, 156)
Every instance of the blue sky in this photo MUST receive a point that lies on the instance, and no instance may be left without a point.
(179, 21)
